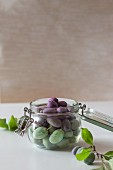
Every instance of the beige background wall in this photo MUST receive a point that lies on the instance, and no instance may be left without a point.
(56, 48)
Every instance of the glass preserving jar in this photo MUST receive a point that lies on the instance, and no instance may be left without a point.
(57, 127)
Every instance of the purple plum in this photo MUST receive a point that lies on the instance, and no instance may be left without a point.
(52, 104)
(53, 99)
(62, 103)
(66, 125)
(50, 110)
(62, 109)
(55, 122)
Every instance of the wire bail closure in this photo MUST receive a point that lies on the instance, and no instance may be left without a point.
(96, 117)
(24, 122)
(82, 107)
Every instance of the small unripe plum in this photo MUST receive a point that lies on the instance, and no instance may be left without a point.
(90, 159)
(79, 150)
(75, 149)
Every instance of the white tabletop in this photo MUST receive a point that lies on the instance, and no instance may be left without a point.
(18, 153)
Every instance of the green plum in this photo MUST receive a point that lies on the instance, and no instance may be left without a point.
(74, 124)
(63, 143)
(75, 149)
(72, 140)
(68, 134)
(56, 136)
(51, 129)
(90, 159)
(40, 133)
(48, 144)
(38, 142)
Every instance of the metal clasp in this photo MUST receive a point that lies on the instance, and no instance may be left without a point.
(24, 122)
(82, 107)
(96, 117)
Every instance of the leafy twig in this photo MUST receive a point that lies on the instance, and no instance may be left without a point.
(87, 154)
(11, 125)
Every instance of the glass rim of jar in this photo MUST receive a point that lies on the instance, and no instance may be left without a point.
(41, 101)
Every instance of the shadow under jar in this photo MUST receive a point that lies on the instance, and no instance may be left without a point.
(54, 128)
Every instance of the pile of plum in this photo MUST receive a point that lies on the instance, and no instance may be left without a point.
(55, 106)
(52, 130)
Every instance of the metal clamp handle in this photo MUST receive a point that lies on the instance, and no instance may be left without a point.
(24, 122)
(82, 107)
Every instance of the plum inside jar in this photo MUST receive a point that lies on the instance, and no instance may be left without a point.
(56, 123)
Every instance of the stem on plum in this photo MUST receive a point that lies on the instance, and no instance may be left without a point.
(49, 127)
(99, 155)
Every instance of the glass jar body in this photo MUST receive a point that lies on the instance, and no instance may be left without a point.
(54, 130)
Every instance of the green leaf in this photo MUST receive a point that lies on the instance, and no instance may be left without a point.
(12, 124)
(107, 165)
(87, 136)
(111, 163)
(109, 154)
(107, 157)
(83, 154)
(3, 123)
(100, 168)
